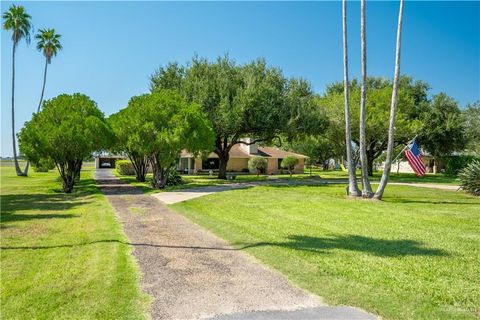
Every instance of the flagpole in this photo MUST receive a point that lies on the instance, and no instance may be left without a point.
(404, 148)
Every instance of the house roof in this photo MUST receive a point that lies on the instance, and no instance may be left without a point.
(238, 152)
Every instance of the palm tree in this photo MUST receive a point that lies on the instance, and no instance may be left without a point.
(393, 110)
(367, 189)
(352, 179)
(17, 20)
(49, 44)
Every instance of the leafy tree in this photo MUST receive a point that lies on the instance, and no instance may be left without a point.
(68, 129)
(412, 101)
(49, 44)
(18, 21)
(257, 164)
(471, 120)
(252, 100)
(393, 110)
(289, 162)
(443, 131)
(44, 165)
(165, 124)
(319, 149)
(125, 125)
(352, 178)
(170, 77)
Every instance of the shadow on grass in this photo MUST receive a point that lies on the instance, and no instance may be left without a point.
(377, 247)
(431, 201)
(12, 203)
(16, 207)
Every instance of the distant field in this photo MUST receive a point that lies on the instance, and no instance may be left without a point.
(63, 256)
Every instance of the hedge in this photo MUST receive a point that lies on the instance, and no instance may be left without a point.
(454, 164)
(125, 167)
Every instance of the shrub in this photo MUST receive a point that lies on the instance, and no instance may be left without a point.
(173, 178)
(470, 178)
(257, 164)
(125, 167)
(454, 164)
(289, 163)
(43, 165)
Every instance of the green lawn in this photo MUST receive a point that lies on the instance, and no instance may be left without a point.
(63, 256)
(415, 255)
(192, 181)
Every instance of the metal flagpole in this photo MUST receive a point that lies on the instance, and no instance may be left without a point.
(404, 148)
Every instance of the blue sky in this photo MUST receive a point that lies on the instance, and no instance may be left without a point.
(111, 48)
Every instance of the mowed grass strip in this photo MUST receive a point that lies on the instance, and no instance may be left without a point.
(64, 256)
(415, 255)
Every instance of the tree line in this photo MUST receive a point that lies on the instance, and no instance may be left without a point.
(209, 106)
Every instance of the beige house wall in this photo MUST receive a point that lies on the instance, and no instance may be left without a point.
(272, 166)
(300, 167)
(198, 164)
(237, 164)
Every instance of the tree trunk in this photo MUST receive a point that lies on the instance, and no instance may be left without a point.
(352, 179)
(140, 164)
(68, 183)
(160, 173)
(366, 188)
(17, 166)
(68, 174)
(370, 160)
(223, 157)
(393, 110)
(25, 171)
(43, 87)
(77, 168)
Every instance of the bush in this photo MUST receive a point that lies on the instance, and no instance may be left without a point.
(43, 165)
(257, 164)
(289, 163)
(125, 167)
(454, 164)
(470, 178)
(173, 178)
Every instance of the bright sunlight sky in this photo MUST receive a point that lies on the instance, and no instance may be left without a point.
(111, 48)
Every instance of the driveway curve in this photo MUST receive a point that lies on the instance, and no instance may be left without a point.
(192, 274)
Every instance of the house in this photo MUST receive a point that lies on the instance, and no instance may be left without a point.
(402, 166)
(238, 160)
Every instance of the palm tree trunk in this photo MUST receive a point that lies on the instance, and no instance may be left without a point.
(43, 87)
(366, 188)
(352, 179)
(17, 167)
(393, 110)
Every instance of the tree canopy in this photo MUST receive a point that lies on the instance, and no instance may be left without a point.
(251, 100)
(443, 130)
(471, 119)
(412, 100)
(68, 129)
(159, 126)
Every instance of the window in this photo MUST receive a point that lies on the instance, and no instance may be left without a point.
(211, 164)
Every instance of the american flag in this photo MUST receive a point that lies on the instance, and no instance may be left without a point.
(415, 159)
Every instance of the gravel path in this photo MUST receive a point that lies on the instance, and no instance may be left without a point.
(192, 274)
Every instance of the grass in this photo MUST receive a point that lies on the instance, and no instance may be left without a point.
(63, 256)
(193, 181)
(415, 255)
